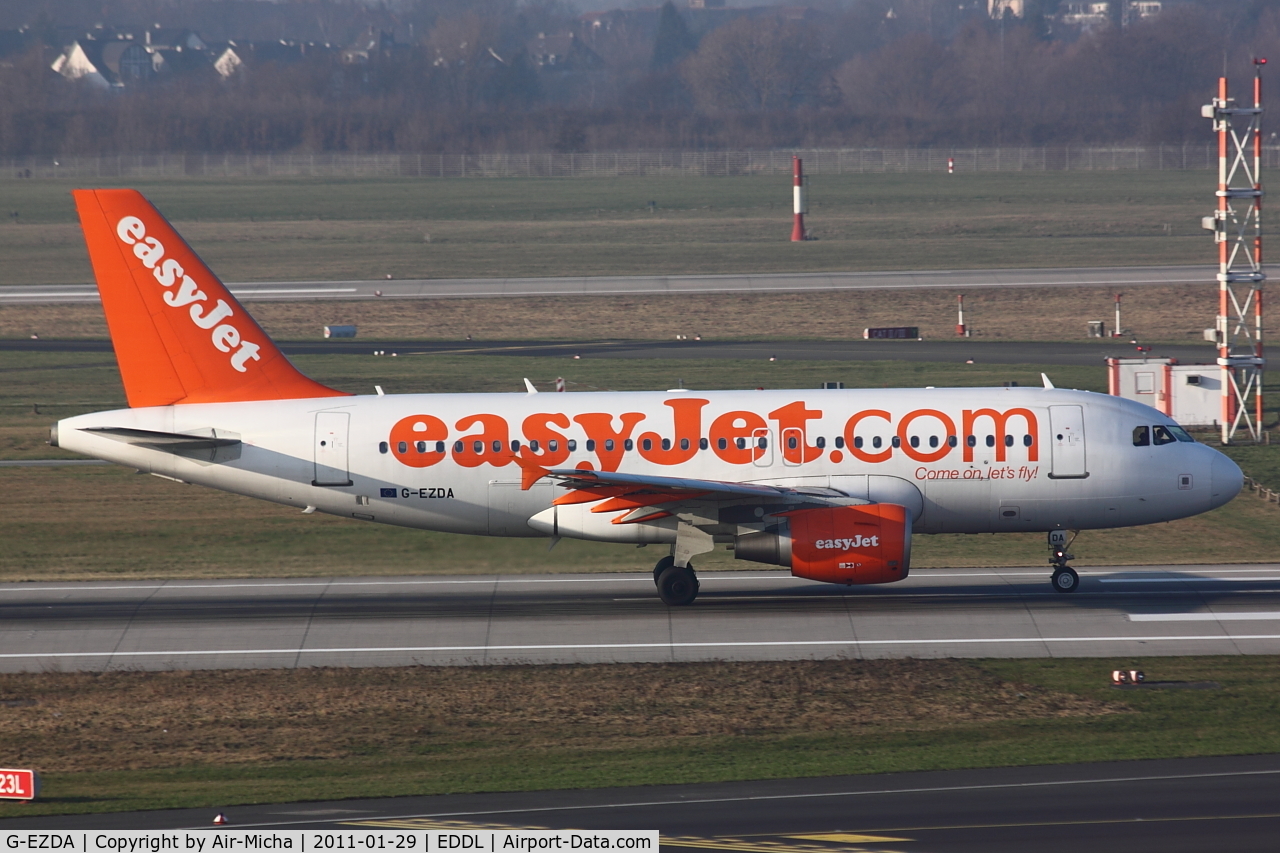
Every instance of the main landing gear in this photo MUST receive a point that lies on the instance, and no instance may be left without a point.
(1064, 577)
(677, 585)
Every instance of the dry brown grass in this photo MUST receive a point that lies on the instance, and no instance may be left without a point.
(128, 720)
(1170, 313)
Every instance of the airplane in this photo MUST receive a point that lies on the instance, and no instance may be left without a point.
(831, 484)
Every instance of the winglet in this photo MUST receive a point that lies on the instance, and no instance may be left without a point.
(1047, 383)
(179, 334)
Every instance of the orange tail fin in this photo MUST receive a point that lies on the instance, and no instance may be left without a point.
(179, 334)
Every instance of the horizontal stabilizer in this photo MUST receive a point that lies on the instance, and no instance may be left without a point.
(206, 448)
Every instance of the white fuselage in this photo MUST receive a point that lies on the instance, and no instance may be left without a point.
(962, 460)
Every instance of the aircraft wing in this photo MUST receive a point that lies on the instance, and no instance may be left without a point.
(676, 487)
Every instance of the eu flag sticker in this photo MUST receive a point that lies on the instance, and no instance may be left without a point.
(388, 493)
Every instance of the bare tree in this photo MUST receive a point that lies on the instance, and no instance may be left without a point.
(758, 64)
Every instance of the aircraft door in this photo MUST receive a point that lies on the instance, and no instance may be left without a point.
(1066, 425)
(762, 447)
(331, 449)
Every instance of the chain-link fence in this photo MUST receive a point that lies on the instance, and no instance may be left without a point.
(820, 161)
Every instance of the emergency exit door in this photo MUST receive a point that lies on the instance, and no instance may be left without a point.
(331, 449)
(1066, 439)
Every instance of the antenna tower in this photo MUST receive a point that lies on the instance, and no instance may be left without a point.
(1238, 234)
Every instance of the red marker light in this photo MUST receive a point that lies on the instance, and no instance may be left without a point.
(1262, 60)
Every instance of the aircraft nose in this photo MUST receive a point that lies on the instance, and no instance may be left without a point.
(1226, 479)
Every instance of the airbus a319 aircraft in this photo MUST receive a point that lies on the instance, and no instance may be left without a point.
(828, 483)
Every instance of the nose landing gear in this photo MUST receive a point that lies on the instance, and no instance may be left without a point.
(1064, 577)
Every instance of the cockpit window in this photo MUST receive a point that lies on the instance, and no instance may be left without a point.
(1180, 433)
(1160, 435)
(1141, 436)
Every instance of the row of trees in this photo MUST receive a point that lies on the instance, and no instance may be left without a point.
(848, 74)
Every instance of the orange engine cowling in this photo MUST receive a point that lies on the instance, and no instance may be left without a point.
(848, 544)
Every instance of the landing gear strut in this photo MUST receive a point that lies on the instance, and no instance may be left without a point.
(1064, 577)
(677, 585)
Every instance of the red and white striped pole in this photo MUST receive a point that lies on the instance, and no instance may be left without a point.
(960, 320)
(1257, 241)
(951, 165)
(798, 234)
(1228, 413)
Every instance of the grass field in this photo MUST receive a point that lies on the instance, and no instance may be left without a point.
(127, 740)
(308, 229)
(129, 525)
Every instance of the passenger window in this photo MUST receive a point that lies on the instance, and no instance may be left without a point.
(497, 447)
(684, 443)
(573, 444)
(1008, 441)
(647, 444)
(820, 442)
(840, 441)
(742, 443)
(403, 447)
(702, 444)
(515, 445)
(991, 441)
(895, 441)
(608, 444)
(457, 447)
(722, 443)
(1026, 441)
(533, 445)
(915, 441)
(628, 444)
(971, 440)
(1161, 435)
(553, 445)
(420, 446)
(875, 442)
(1141, 436)
(439, 447)
(952, 441)
(478, 446)
(591, 445)
(857, 441)
(933, 441)
(792, 444)
(763, 443)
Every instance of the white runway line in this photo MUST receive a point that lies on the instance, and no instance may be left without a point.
(624, 646)
(1184, 579)
(1268, 616)
(506, 580)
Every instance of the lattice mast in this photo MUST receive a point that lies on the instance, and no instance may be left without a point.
(1238, 233)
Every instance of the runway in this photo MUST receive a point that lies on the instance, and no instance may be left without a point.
(649, 285)
(1169, 806)
(956, 351)
(601, 618)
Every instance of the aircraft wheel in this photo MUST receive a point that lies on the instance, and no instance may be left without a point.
(678, 586)
(663, 564)
(1065, 579)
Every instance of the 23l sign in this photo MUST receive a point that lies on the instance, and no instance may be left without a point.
(19, 784)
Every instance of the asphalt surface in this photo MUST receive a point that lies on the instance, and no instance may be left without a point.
(957, 351)
(631, 285)
(1169, 806)
(606, 618)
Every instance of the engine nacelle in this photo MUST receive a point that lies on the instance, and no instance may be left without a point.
(849, 544)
